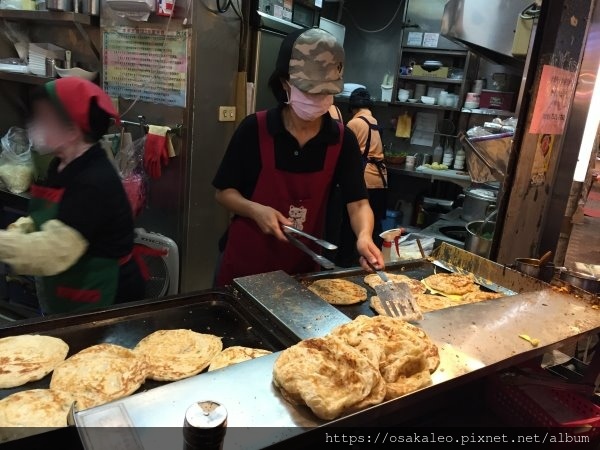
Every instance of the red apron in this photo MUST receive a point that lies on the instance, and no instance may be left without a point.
(300, 196)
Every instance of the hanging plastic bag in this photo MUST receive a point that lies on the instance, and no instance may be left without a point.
(409, 249)
(16, 165)
(129, 163)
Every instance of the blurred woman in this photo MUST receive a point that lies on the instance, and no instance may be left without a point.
(78, 236)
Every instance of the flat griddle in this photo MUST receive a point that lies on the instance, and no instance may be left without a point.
(214, 312)
(417, 270)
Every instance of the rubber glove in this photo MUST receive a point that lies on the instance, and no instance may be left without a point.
(156, 151)
(53, 250)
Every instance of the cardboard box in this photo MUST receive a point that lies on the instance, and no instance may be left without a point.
(496, 100)
(442, 72)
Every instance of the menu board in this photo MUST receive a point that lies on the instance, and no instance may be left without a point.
(146, 64)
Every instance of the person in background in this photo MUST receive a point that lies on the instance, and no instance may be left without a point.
(78, 236)
(281, 164)
(335, 113)
(367, 132)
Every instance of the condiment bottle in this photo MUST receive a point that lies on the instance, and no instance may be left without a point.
(204, 426)
(438, 154)
(459, 160)
(448, 157)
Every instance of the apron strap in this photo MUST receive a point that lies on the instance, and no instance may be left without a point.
(265, 142)
(141, 250)
(379, 164)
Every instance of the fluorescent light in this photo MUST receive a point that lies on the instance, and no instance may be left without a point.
(589, 134)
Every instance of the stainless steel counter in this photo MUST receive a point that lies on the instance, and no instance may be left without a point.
(451, 219)
(452, 176)
(474, 340)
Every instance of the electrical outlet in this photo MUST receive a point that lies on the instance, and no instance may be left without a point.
(226, 113)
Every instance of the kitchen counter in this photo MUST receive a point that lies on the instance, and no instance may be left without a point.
(454, 176)
(451, 219)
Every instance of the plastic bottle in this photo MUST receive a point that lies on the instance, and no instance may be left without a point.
(448, 157)
(459, 160)
(438, 154)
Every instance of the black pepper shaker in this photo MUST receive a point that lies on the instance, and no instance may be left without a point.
(204, 426)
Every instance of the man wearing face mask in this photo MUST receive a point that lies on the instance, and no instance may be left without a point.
(78, 237)
(281, 164)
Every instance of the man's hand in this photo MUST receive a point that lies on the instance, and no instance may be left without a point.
(270, 220)
(369, 251)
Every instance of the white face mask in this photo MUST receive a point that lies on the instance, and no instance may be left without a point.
(39, 139)
(308, 107)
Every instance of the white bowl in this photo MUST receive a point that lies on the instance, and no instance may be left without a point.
(412, 100)
(471, 105)
(428, 100)
(403, 97)
(77, 73)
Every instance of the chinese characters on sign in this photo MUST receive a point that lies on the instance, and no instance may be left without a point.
(146, 64)
(552, 103)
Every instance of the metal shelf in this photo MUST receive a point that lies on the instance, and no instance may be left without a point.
(434, 51)
(47, 16)
(488, 112)
(424, 106)
(24, 78)
(430, 79)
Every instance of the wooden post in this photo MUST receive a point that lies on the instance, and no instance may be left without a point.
(531, 183)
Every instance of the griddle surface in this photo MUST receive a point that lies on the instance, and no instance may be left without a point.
(217, 313)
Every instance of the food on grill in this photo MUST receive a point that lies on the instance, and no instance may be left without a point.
(100, 374)
(29, 358)
(404, 354)
(426, 302)
(339, 292)
(415, 286)
(533, 341)
(358, 365)
(234, 355)
(480, 296)
(451, 284)
(329, 376)
(176, 354)
(29, 410)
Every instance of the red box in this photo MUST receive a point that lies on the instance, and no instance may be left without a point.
(496, 100)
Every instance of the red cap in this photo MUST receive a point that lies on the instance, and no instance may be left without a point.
(73, 96)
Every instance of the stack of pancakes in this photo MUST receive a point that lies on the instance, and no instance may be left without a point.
(359, 364)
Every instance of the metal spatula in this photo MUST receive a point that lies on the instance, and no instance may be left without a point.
(396, 298)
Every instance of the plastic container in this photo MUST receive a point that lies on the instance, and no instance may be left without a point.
(393, 219)
(459, 160)
(438, 154)
(448, 157)
(390, 248)
(386, 92)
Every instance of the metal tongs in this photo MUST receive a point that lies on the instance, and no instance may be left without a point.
(321, 260)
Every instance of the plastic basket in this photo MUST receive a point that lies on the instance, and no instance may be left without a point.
(534, 405)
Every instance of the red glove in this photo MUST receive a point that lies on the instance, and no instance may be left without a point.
(156, 150)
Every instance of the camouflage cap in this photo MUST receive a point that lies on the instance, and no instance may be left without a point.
(316, 64)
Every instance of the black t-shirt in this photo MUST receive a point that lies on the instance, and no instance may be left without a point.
(241, 164)
(94, 203)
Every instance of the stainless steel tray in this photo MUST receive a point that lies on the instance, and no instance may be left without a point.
(474, 340)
